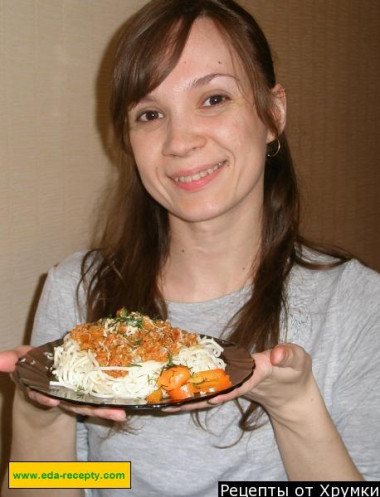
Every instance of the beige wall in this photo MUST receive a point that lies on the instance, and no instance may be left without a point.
(53, 155)
(54, 158)
(328, 58)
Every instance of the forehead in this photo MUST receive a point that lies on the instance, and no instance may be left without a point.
(207, 51)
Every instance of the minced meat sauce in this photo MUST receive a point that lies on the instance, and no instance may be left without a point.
(131, 338)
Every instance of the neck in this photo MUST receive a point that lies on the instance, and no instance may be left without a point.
(210, 259)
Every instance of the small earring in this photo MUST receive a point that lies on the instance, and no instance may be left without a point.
(273, 154)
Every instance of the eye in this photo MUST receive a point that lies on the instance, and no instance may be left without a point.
(215, 100)
(149, 115)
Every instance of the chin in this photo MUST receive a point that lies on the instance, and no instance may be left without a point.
(198, 213)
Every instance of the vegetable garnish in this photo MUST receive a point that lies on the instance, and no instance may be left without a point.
(132, 356)
(180, 384)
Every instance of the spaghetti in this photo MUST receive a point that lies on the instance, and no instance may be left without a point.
(124, 356)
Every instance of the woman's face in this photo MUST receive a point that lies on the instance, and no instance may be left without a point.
(197, 140)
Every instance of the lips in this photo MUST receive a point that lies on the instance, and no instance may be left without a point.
(199, 174)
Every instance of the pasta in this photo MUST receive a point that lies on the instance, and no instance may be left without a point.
(122, 357)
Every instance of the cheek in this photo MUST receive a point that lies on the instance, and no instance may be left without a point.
(244, 130)
(148, 179)
(142, 158)
(147, 154)
(146, 167)
(137, 148)
(249, 144)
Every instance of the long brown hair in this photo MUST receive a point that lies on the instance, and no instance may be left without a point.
(135, 242)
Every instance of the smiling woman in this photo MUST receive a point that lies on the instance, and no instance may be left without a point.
(203, 129)
(203, 229)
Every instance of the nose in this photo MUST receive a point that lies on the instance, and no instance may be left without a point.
(182, 137)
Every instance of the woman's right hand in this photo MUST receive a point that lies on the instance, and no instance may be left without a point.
(8, 360)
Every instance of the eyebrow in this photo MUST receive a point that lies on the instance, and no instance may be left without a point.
(204, 80)
(196, 83)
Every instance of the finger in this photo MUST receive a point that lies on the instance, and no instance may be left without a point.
(113, 414)
(289, 355)
(219, 399)
(8, 358)
(235, 393)
(187, 407)
(43, 399)
(204, 404)
(118, 415)
(105, 413)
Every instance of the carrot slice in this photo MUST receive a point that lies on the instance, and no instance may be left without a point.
(183, 392)
(154, 397)
(213, 385)
(210, 375)
(173, 377)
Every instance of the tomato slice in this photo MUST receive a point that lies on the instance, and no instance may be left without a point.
(154, 397)
(183, 392)
(173, 377)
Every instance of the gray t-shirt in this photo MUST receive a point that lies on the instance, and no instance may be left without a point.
(334, 314)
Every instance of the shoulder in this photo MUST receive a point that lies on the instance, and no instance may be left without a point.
(71, 267)
(360, 280)
(357, 295)
(75, 270)
(341, 301)
(351, 279)
(335, 315)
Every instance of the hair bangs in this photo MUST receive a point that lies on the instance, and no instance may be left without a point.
(154, 60)
(142, 63)
(154, 40)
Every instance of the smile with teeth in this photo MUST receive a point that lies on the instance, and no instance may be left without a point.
(200, 174)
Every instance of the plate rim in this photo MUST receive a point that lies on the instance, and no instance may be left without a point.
(106, 403)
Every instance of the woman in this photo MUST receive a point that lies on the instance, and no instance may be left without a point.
(203, 229)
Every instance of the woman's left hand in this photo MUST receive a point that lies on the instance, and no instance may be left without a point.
(282, 378)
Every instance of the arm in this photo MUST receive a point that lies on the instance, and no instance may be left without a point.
(44, 429)
(41, 435)
(346, 348)
(309, 443)
(41, 432)
(345, 345)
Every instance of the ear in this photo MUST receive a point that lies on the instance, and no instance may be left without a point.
(279, 111)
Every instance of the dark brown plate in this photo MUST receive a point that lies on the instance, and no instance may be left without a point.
(34, 371)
